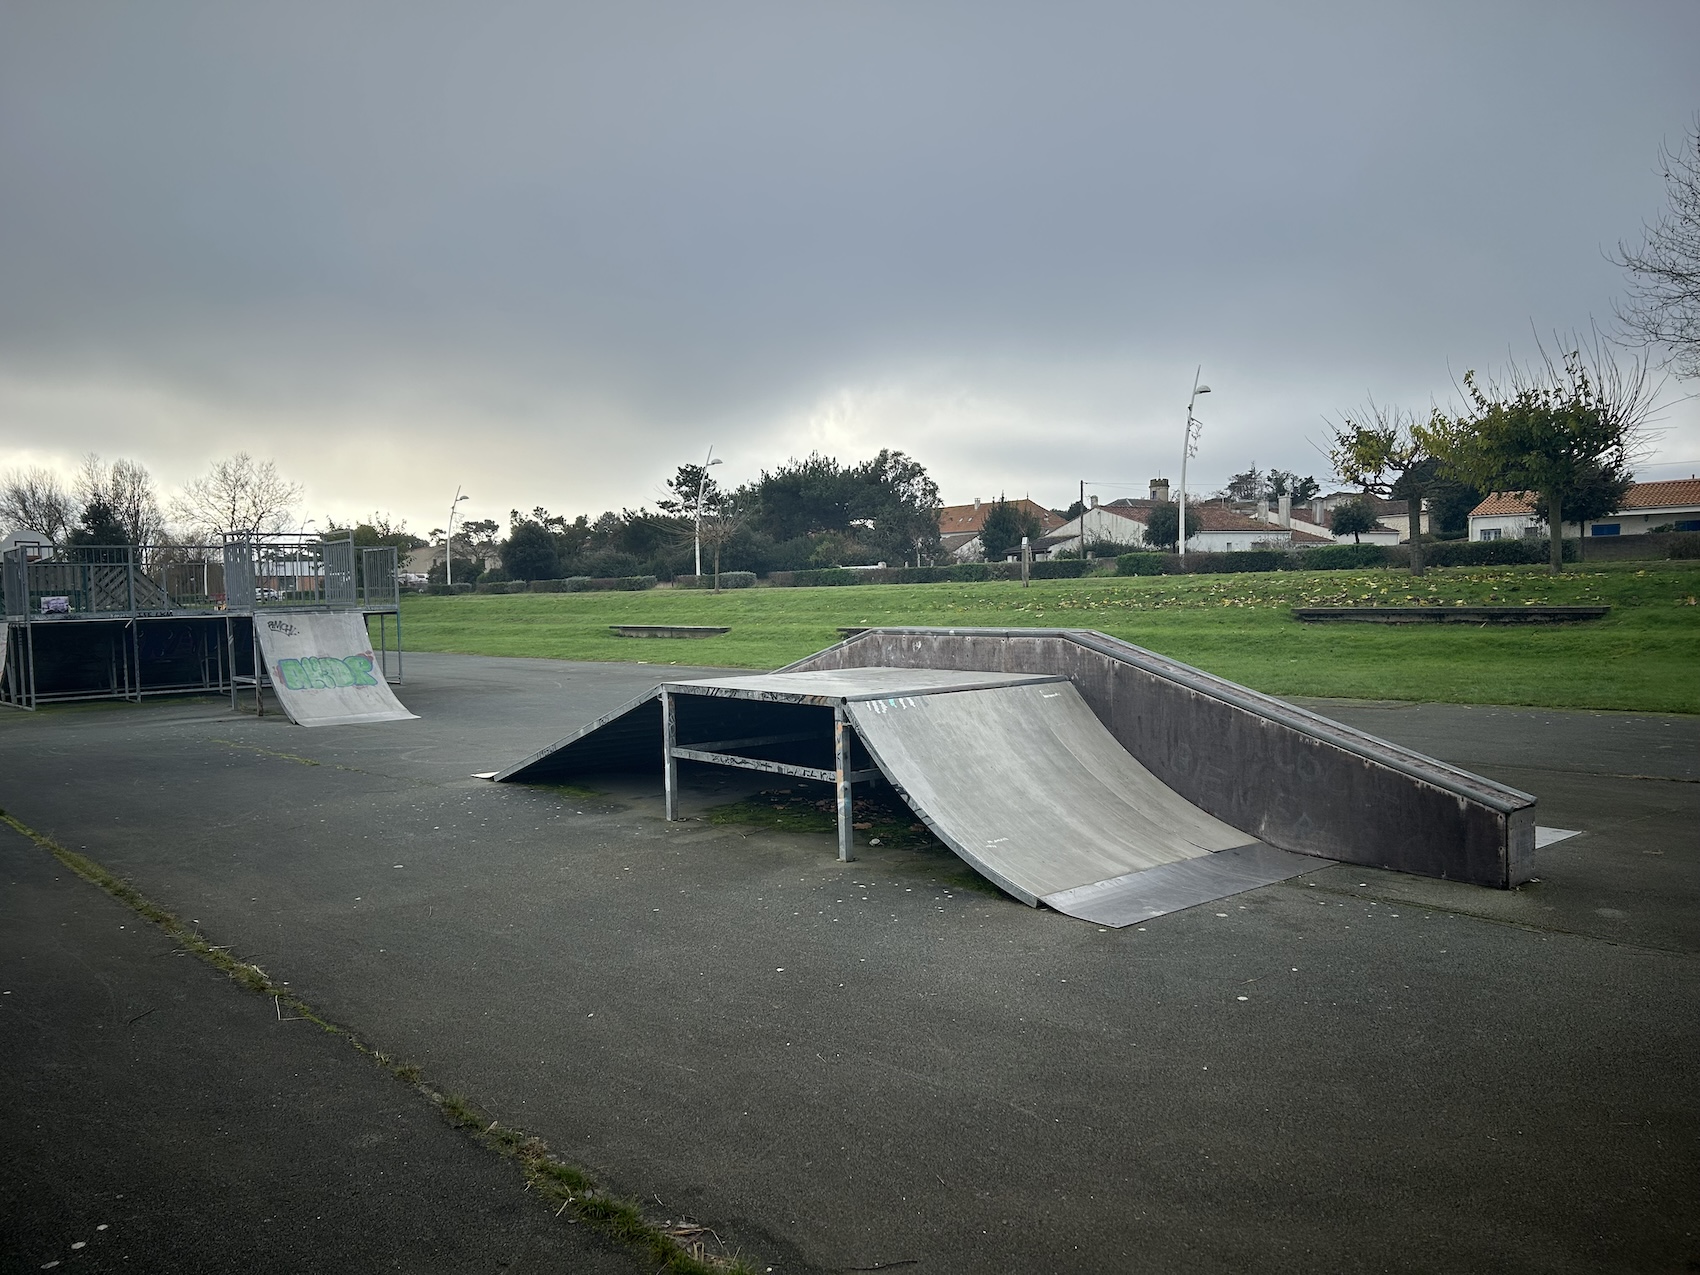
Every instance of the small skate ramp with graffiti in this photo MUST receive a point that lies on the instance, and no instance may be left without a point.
(321, 667)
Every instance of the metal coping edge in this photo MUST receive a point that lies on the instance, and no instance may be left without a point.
(1500, 797)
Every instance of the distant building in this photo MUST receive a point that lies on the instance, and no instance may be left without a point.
(1662, 506)
(960, 526)
(1221, 528)
(1313, 521)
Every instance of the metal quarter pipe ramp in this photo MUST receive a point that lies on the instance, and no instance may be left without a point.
(1026, 785)
(321, 667)
(1013, 772)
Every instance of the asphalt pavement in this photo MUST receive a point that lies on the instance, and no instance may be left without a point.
(837, 1066)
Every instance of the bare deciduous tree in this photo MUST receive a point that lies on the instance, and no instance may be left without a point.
(1384, 450)
(1664, 268)
(35, 500)
(238, 496)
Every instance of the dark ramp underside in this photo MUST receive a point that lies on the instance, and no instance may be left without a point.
(1020, 780)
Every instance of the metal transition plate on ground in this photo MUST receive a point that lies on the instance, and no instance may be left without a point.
(1186, 883)
(323, 670)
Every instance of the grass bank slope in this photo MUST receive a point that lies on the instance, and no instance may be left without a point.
(1645, 656)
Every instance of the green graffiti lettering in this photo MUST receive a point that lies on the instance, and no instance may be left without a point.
(322, 672)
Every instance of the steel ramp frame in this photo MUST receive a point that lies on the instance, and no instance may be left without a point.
(843, 774)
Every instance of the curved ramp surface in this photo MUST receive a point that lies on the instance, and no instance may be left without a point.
(322, 668)
(1026, 785)
(1013, 772)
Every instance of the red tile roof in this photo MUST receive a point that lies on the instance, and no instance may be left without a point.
(1505, 502)
(972, 518)
(1678, 493)
(1216, 518)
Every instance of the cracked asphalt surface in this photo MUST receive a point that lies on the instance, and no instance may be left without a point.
(835, 1066)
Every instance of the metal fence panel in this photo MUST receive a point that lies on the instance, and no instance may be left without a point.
(341, 587)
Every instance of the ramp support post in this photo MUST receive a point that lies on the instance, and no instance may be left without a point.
(846, 806)
(669, 763)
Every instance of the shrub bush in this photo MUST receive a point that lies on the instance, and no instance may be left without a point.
(495, 575)
(1487, 553)
(500, 587)
(1234, 561)
(548, 586)
(728, 580)
(1144, 564)
(1686, 545)
(610, 584)
(1341, 557)
(1063, 569)
(516, 586)
(926, 575)
(818, 577)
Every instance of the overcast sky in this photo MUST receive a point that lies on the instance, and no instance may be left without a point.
(549, 252)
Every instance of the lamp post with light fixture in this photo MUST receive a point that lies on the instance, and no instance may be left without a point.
(449, 539)
(702, 483)
(1190, 449)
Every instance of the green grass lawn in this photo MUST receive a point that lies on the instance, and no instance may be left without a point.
(1644, 656)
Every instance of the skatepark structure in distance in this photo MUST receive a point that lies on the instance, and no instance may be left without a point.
(285, 613)
(1073, 769)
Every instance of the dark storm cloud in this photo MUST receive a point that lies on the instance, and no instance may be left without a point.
(626, 228)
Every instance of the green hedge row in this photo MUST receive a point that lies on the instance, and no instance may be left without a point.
(572, 584)
(1444, 553)
(1487, 553)
(728, 580)
(965, 572)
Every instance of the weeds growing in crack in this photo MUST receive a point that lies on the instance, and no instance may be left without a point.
(676, 1247)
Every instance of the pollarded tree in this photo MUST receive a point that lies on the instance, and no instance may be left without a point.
(1385, 451)
(1599, 493)
(1162, 526)
(1353, 519)
(1568, 430)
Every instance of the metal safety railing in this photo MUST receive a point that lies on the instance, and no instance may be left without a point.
(240, 574)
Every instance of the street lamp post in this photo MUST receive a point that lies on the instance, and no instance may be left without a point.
(449, 539)
(1188, 450)
(701, 484)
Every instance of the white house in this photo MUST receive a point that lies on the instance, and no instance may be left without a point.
(1312, 523)
(1119, 524)
(960, 526)
(1662, 506)
(1220, 529)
